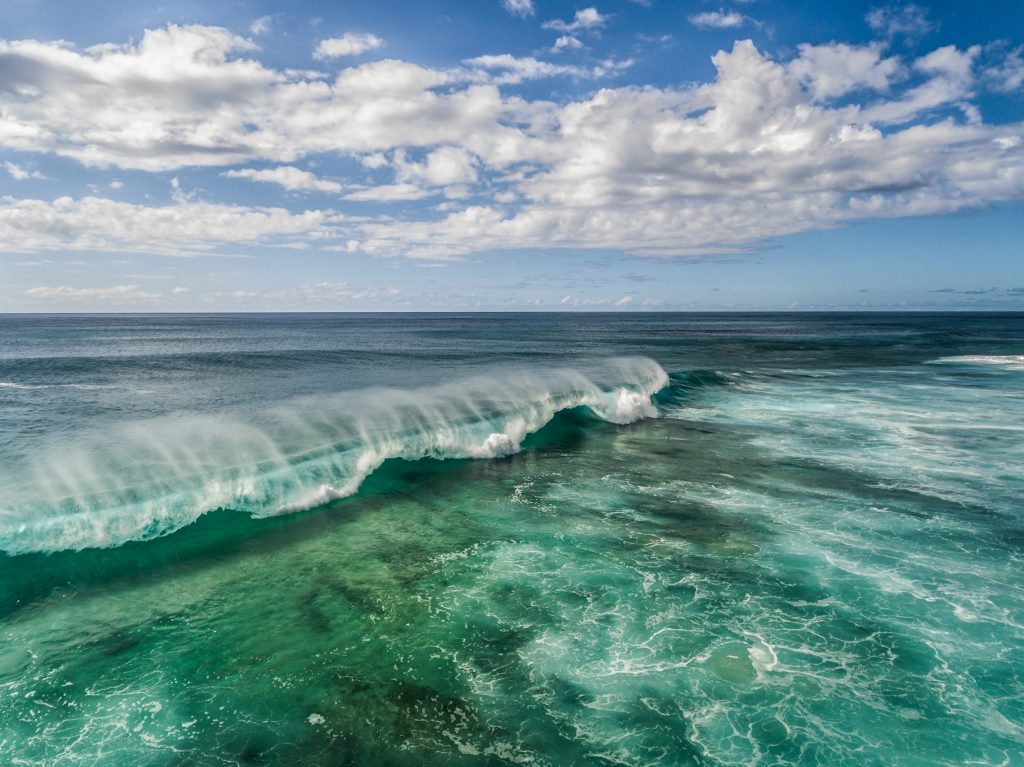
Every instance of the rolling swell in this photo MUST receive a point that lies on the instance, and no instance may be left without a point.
(144, 479)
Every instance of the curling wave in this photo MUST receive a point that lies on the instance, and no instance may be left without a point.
(149, 478)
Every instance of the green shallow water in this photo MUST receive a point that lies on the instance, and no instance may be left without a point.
(795, 568)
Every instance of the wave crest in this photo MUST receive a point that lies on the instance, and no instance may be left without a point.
(1008, 361)
(149, 478)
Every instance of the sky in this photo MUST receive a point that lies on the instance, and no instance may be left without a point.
(511, 155)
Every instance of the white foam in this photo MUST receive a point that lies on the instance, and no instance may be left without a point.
(496, 445)
(631, 406)
(1010, 361)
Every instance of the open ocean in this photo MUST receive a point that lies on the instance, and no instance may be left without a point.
(512, 539)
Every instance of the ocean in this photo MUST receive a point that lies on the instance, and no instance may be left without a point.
(512, 539)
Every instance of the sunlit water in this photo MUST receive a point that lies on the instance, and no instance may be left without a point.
(512, 540)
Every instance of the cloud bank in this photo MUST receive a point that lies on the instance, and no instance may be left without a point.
(835, 134)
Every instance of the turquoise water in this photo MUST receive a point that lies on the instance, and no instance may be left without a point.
(509, 539)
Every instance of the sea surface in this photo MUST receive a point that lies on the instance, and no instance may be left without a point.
(512, 539)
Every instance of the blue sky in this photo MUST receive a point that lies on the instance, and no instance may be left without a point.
(511, 154)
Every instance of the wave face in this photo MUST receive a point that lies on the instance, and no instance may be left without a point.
(147, 478)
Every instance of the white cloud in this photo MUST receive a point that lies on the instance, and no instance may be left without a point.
(178, 194)
(389, 193)
(349, 44)
(585, 19)
(374, 160)
(300, 295)
(184, 228)
(297, 295)
(566, 42)
(894, 20)
(949, 60)
(288, 176)
(613, 302)
(522, 8)
(261, 25)
(179, 98)
(113, 294)
(442, 167)
(835, 69)
(511, 70)
(1008, 75)
(718, 19)
(333, 291)
(951, 80)
(717, 168)
(767, 148)
(21, 174)
(121, 104)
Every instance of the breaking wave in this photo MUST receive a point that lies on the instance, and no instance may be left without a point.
(1008, 361)
(148, 478)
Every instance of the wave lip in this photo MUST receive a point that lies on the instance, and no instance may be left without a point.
(148, 478)
(1009, 361)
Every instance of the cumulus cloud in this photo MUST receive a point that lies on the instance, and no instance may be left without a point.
(566, 42)
(836, 134)
(349, 44)
(905, 21)
(949, 60)
(585, 19)
(1008, 75)
(718, 19)
(288, 176)
(519, 7)
(180, 98)
(835, 69)
(19, 173)
(118, 104)
(747, 157)
(951, 79)
(442, 167)
(505, 69)
(184, 228)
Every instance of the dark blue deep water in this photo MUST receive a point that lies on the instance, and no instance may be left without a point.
(567, 539)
